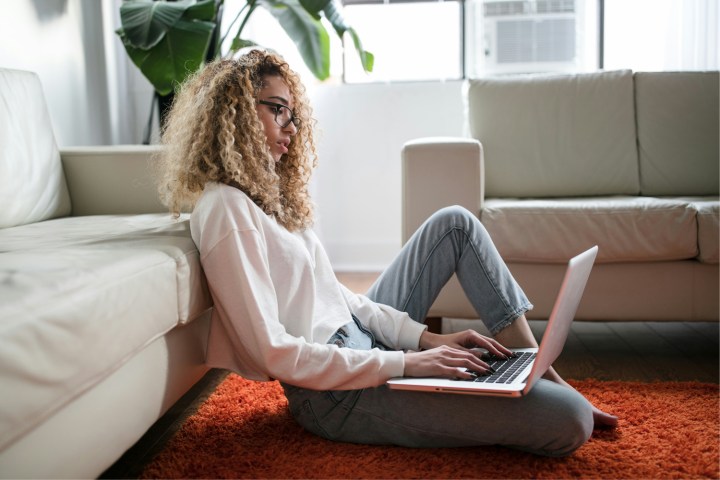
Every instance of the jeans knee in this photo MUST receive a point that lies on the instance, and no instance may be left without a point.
(455, 217)
(455, 212)
(576, 429)
(565, 419)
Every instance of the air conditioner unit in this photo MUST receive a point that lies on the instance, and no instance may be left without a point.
(530, 36)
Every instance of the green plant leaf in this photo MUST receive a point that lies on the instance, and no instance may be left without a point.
(333, 12)
(202, 10)
(239, 43)
(180, 52)
(168, 40)
(145, 22)
(366, 58)
(306, 31)
(314, 7)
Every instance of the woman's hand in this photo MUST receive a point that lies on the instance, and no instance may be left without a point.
(444, 362)
(451, 356)
(464, 340)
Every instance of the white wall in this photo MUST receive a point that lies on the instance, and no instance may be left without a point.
(357, 185)
(63, 41)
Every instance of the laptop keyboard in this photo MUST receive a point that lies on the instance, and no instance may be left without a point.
(505, 370)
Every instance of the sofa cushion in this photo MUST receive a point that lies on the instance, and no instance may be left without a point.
(155, 232)
(627, 229)
(68, 318)
(79, 297)
(32, 183)
(677, 123)
(708, 220)
(708, 230)
(556, 136)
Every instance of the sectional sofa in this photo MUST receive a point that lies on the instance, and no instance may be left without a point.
(104, 311)
(554, 164)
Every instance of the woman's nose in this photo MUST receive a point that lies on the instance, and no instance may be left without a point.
(291, 129)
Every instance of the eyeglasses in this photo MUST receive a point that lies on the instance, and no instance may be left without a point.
(283, 115)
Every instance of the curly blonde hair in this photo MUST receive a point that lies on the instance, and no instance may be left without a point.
(212, 134)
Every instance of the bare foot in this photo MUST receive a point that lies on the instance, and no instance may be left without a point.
(601, 419)
(518, 335)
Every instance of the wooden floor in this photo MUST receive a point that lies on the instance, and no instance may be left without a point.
(629, 351)
(639, 351)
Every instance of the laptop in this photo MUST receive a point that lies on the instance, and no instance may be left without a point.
(515, 377)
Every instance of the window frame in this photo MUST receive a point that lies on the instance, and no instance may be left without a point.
(463, 32)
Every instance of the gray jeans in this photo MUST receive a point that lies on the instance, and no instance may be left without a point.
(551, 420)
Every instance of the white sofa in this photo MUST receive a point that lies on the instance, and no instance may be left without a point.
(104, 311)
(557, 163)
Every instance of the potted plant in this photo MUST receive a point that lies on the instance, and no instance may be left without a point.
(168, 40)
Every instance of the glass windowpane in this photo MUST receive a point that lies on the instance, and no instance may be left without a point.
(410, 41)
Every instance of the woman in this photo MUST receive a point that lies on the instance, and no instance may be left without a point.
(240, 151)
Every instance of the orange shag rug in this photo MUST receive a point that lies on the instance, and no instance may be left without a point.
(244, 430)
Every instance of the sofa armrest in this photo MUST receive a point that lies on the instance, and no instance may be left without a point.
(111, 179)
(438, 172)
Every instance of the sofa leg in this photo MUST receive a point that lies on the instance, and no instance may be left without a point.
(434, 324)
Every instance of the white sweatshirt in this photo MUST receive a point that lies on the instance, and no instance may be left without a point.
(277, 301)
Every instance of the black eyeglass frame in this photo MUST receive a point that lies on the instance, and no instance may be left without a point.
(293, 119)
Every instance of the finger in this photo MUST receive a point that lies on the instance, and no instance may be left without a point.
(486, 348)
(502, 348)
(460, 373)
(460, 358)
(496, 348)
(472, 362)
(473, 339)
(490, 344)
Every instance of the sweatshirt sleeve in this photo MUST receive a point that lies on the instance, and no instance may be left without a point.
(250, 336)
(392, 327)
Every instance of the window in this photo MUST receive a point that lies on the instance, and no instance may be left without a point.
(419, 40)
(454, 39)
(656, 35)
(451, 39)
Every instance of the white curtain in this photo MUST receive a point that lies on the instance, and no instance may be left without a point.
(694, 43)
(118, 81)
